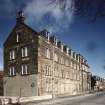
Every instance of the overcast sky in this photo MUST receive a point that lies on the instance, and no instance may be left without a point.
(76, 31)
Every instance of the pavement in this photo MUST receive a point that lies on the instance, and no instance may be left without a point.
(87, 99)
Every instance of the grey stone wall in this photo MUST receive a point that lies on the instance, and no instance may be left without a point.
(26, 38)
(20, 86)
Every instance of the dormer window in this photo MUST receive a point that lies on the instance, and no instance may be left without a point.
(67, 51)
(12, 55)
(74, 55)
(24, 52)
(24, 69)
(12, 71)
(71, 53)
(62, 47)
(56, 42)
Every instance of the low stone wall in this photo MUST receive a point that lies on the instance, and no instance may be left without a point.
(35, 98)
(6, 100)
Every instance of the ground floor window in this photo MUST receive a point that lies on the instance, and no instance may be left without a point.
(24, 69)
(12, 71)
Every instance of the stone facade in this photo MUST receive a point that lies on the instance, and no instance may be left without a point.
(14, 58)
(61, 72)
(37, 64)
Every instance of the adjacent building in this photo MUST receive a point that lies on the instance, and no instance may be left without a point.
(36, 63)
(1, 83)
(97, 83)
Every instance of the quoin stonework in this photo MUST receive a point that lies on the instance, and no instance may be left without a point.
(36, 63)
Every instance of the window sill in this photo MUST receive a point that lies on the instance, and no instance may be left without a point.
(25, 58)
(25, 74)
(13, 60)
(12, 75)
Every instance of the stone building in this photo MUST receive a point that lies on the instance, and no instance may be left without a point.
(1, 83)
(97, 83)
(36, 63)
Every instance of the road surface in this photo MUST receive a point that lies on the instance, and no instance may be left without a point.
(91, 99)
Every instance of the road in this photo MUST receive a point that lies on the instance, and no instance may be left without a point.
(92, 99)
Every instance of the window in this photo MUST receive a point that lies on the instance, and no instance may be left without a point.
(74, 65)
(83, 67)
(48, 70)
(71, 74)
(47, 53)
(18, 33)
(17, 37)
(67, 75)
(71, 54)
(24, 52)
(24, 69)
(48, 85)
(67, 62)
(55, 72)
(55, 57)
(71, 64)
(60, 73)
(62, 60)
(78, 75)
(77, 67)
(12, 55)
(12, 71)
(63, 74)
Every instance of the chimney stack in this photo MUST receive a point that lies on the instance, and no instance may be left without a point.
(45, 33)
(20, 17)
